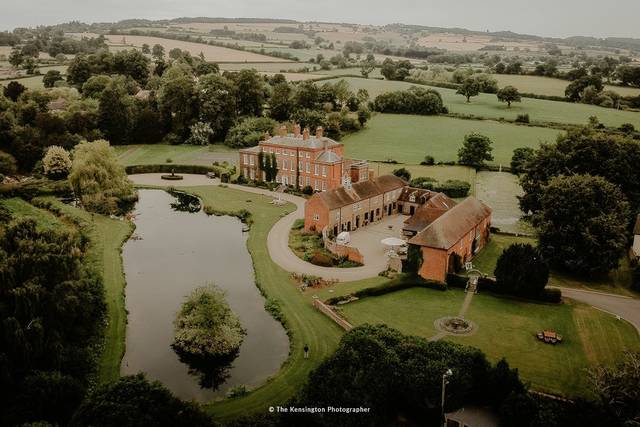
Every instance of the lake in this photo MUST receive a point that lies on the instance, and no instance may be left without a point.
(171, 253)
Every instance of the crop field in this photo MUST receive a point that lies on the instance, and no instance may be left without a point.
(550, 86)
(408, 138)
(267, 67)
(488, 106)
(467, 43)
(506, 328)
(211, 53)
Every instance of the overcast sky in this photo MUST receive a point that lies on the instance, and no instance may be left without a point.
(558, 18)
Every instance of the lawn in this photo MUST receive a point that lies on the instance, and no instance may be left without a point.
(409, 138)
(439, 172)
(487, 105)
(550, 86)
(506, 328)
(617, 281)
(24, 210)
(500, 190)
(183, 154)
(34, 82)
(306, 324)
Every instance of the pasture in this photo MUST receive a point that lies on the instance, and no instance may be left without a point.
(488, 106)
(408, 138)
(211, 53)
(550, 86)
(506, 328)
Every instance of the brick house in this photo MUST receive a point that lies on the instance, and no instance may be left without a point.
(452, 237)
(303, 160)
(353, 205)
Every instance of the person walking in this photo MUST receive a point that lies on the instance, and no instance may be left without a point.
(306, 351)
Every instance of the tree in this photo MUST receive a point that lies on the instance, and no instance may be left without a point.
(7, 164)
(367, 66)
(250, 92)
(575, 90)
(157, 52)
(249, 132)
(177, 98)
(114, 114)
(98, 180)
(396, 70)
(56, 162)
(14, 90)
(132, 63)
(520, 158)
(201, 134)
(583, 151)
(469, 88)
(509, 94)
(629, 75)
(415, 100)
(133, 401)
(206, 326)
(582, 224)
(146, 49)
(475, 150)
(281, 102)
(51, 77)
(402, 173)
(15, 57)
(618, 388)
(79, 71)
(94, 87)
(217, 96)
(521, 271)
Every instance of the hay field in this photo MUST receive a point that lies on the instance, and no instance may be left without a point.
(211, 53)
(550, 86)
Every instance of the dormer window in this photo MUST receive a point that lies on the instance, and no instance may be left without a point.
(412, 198)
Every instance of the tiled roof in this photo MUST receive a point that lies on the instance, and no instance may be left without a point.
(328, 157)
(435, 207)
(340, 197)
(452, 225)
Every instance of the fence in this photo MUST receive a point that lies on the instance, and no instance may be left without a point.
(352, 254)
(332, 315)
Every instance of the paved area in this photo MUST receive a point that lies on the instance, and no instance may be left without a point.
(626, 307)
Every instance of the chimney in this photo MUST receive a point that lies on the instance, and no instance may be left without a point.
(305, 133)
(296, 130)
(283, 130)
(319, 132)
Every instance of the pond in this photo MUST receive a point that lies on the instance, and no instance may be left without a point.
(176, 248)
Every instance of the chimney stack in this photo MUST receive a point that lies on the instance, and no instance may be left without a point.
(296, 130)
(305, 134)
(319, 132)
(283, 130)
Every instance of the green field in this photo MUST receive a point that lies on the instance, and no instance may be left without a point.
(408, 138)
(550, 86)
(184, 154)
(487, 105)
(24, 210)
(506, 328)
(617, 281)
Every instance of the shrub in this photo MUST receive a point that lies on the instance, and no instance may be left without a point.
(237, 391)
(428, 161)
(475, 150)
(206, 326)
(7, 164)
(415, 100)
(402, 173)
(56, 162)
(201, 134)
(520, 158)
(522, 118)
(521, 271)
(273, 307)
(308, 190)
(323, 260)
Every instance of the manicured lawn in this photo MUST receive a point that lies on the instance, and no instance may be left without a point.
(306, 324)
(506, 328)
(439, 173)
(487, 105)
(617, 281)
(409, 138)
(183, 154)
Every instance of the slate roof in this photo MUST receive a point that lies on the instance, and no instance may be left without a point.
(340, 197)
(446, 230)
(312, 142)
(328, 157)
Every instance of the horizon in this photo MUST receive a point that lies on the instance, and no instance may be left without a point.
(572, 18)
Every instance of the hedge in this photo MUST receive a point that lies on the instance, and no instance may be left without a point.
(488, 284)
(41, 187)
(404, 282)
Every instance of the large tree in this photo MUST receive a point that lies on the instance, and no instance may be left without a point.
(250, 92)
(469, 88)
(281, 102)
(218, 106)
(618, 389)
(583, 151)
(98, 179)
(115, 114)
(177, 98)
(582, 224)
(475, 150)
(509, 94)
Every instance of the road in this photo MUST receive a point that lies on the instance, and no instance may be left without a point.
(626, 307)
